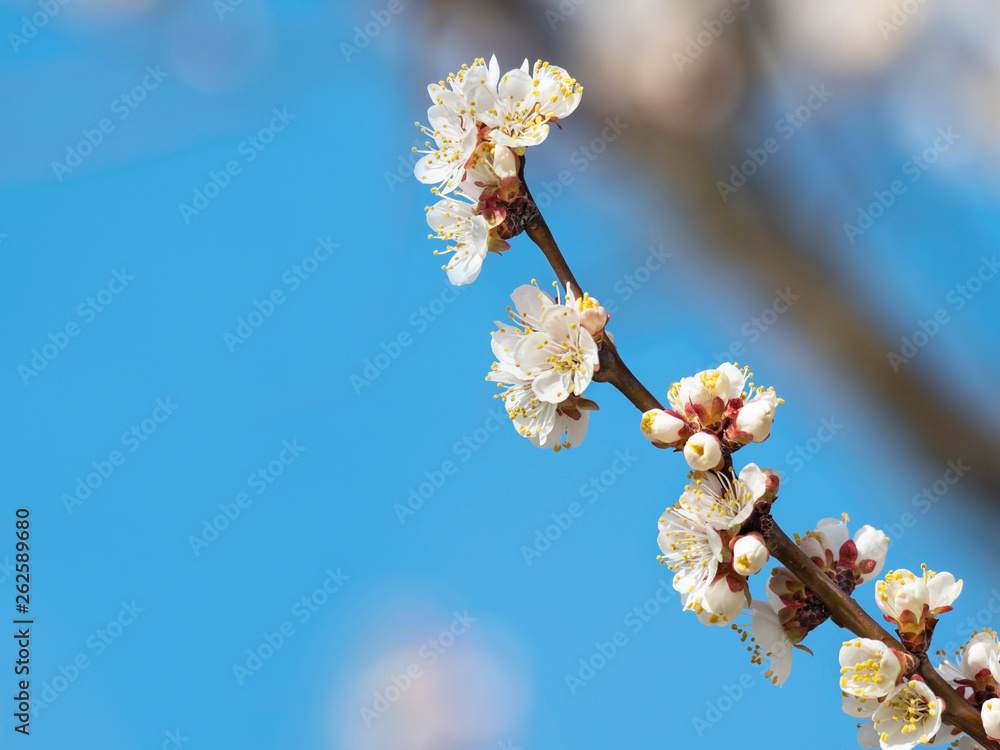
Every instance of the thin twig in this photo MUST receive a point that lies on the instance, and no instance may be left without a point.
(613, 369)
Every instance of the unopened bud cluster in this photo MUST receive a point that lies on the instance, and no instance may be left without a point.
(713, 414)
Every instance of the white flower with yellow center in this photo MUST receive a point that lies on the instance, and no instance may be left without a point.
(492, 167)
(909, 716)
(749, 555)
(727, 501)
(456, 222)
(756, 416)
(868, 668)
(454, 141)
(907, 599)
(692, 546)
(526, 103)
(454, 122)
(664, 428)
(694, 534)
(480, 73)
(546, 360)
(703, 452)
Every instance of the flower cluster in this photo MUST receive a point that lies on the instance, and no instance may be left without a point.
(713, 538)
(975, 675)
(899, 710)
(713, 414)
(791, 610)
(702, 541)
(545, 360)
(480, 124)
(720, 532)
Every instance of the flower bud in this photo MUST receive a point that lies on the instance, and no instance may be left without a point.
(593, 317)
(749, 555)
(991, 718)
(773, 479)
(980, 654)
(872, 546)
(755, 420)
(703, 452)
(664, 428)
(911, 596)
(723, 601)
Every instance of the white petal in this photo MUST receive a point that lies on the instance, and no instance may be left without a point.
(552, 386)
(942, 590)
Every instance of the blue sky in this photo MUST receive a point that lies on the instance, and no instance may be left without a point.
(201, 371)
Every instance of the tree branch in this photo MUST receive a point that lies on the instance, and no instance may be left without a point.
(613, 369)
(844, 610)
(848, 614)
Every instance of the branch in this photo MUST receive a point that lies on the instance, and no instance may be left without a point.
(844, 610)
(613, 369)
(848, 614)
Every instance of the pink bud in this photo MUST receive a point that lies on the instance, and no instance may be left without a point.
(594, 319)
(773, 479)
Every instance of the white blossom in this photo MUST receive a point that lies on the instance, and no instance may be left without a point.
(991, 718)
(664, 428)
(546, 360)
(831, 545)
(869, 668)
(757, 415)
(771, 641)
(525, 103)
(909, 716)
(705, 396)
(491, 168)
(722, 602)
(443, 164)
(456, 222)
(905, 598)
(872, 545)
(978, 662)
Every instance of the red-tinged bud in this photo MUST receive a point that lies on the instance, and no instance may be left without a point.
(665, 429)
(771, 488)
